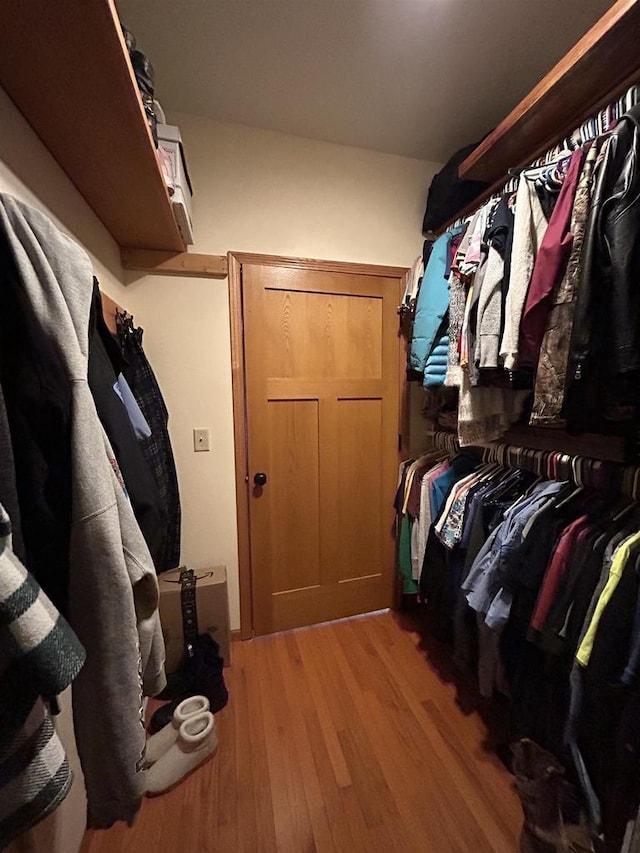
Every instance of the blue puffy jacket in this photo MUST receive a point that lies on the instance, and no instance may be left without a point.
(433, 301)
(436, 367)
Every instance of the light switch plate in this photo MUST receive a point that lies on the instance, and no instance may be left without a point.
(201, 439)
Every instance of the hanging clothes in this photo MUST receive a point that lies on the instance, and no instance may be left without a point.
(604, 358)
(156, 448)
(554, 351)
(541, 297)
(457, 299)
(435, 370)
(138, 421)
(39, 657)
(550, 264)
(433, 300)
(542, 579)
(105, 365)
(109, 580)
(529, 229)
(490, 297)
(37, 406)
(411, 504)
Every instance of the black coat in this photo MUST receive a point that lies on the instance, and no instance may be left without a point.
(37, 397)
(105, 364)
(603, 371)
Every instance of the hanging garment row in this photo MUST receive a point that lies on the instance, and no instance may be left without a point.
(88, 491)
(530, 308)
(535, 580)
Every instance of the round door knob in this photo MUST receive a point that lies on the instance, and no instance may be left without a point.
(259, 479)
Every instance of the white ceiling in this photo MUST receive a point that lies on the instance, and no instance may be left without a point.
(414, 77)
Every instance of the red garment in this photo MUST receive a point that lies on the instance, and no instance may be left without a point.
(550, 264)
(556, 570)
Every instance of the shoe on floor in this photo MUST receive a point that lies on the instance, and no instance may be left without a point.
(160, 742)
(197, 741)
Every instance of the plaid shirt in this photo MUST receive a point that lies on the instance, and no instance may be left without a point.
(157, 448)
(39, 656)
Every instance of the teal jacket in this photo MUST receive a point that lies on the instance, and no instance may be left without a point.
(433, 301)
(436, 368)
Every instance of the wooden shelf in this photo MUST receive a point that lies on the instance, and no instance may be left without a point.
(168, 263)
(66, 67)
(597, 70)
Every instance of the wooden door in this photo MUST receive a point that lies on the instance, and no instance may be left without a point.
(322, 391)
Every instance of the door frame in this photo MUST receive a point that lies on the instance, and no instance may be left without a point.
(238, 382)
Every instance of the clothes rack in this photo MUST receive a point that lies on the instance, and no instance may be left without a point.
(599, 123)
(535, 585)
(553, 465)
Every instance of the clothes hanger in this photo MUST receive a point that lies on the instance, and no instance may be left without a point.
(533, 173)
(540, 459)
(629, 504)
(636, 482)
(501, 454)
(569, 498)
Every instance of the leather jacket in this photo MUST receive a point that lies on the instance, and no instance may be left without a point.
(603, 370)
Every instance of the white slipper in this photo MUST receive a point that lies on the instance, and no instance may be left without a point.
(197, 741)
(160, 742)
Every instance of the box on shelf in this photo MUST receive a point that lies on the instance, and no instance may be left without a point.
(180, 188)
(212, 606)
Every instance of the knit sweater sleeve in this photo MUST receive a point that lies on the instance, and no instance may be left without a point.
(529, 228)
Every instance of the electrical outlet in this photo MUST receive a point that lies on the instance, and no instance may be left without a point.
(201, 440)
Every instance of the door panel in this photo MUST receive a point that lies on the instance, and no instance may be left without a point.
(322, 365)
(317, 335)
(360, 520)
(294, 505)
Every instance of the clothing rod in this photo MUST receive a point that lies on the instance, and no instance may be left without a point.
(554, 465)
(602, 121)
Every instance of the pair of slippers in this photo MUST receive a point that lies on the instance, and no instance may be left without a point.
(183, 745)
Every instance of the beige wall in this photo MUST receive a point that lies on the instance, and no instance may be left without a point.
(258, 191)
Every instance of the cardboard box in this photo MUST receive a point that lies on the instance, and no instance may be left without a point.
(169, 140)
(212, 606)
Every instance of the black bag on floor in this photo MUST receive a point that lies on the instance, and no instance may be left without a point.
(201, 670)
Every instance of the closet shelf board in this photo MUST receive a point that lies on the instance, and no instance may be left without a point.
(66, 67)
(594, 72)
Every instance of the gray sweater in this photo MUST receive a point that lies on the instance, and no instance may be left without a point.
(113, 589)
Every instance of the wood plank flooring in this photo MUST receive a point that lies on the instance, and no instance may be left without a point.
(344, 737)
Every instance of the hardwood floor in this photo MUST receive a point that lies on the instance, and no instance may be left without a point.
(349, 736)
